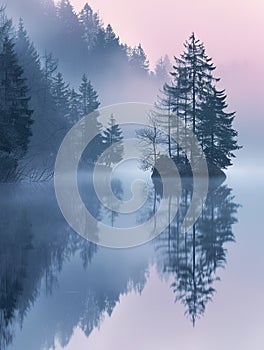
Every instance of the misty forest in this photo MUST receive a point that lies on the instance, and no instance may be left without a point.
(56, 67)
(41, 98)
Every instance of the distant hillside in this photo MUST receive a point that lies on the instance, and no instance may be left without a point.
(83, 44)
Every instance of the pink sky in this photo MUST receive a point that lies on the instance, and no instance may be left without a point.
(231, 30)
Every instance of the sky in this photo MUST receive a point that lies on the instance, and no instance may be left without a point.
(232, 34)
(232, 27)
(231, 30)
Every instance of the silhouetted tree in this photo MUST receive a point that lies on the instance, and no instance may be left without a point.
(215, 130)
(15, 114)
(89, 105)
(193, 99)
(138, 60)
(60, 93)
(48, 122)
(112, 137)
(90, 25)
(74, 107)
(88, 97)
(162, 69)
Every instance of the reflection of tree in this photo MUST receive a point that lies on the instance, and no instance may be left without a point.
(193, 259)
(40, 257)
(35, 244)
(117, 191)
(15, 245)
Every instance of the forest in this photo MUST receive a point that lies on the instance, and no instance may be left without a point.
(56, 68)
(39, 105)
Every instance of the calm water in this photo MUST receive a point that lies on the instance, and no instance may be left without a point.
(203, 290)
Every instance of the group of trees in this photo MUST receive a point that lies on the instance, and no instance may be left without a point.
(15, 114)
(101, 46)
(85, 44)
(193, 99)
(37, 106)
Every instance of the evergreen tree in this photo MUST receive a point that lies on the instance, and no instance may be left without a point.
(88, 97)
(15, 115)
(108, 52)
(112, 136)
(138, 60)
(90, 25)
(39, 84)
(98, 55)
(67, 16)
(60, 92)
(74, 107)
(48, 100)
(89, 103)
(49, 69)
(162, 69)
(216, 132)
(68, 41)
(182, 97)
(5, 25)
(163, 116)
(192, 96)
(28, 55)
(111, 40)
(81, 43)
(198, 68)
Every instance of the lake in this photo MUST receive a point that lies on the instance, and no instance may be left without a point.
(197, 290)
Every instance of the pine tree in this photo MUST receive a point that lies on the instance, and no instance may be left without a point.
(48, 100)
(15, 115)
(74, 107)
(182, 97)
(60, 92)
(162, 70)
(28, 55)
(112, 137)
(198, 68)
(90, 25)
(67, 16)
(5, 26)
(163, 116)
(88, 97)
(69, 31)
(40, 80)
(192, 96)
(138, 60)
(49, 69)
(111, 40)
(216, 132)
(89, 104)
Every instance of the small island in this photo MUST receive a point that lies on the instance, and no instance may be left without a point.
(191, 102)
